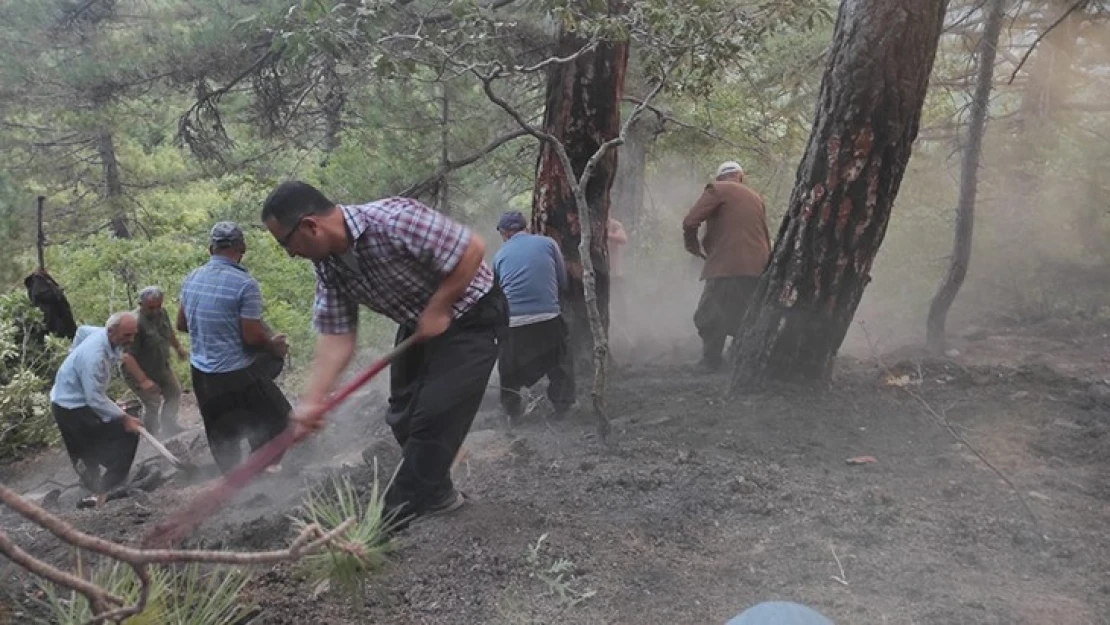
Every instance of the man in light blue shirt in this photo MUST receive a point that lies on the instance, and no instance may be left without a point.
(96, 432)
(221, 309)
(531, 272)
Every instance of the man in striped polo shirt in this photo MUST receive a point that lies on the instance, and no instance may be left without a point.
(424, 271)
(221, 309)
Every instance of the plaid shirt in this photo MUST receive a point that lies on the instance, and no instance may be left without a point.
(401, 251)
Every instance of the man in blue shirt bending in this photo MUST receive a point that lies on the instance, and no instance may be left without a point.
(96, 431)
(531, 272)
(221, 309)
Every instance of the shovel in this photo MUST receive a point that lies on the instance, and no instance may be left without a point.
(206, 503)
(187, 468)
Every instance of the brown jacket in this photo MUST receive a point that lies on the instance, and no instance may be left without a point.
(736, 241)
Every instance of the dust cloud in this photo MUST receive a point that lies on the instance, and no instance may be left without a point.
(655, 298)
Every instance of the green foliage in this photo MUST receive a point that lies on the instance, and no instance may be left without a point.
(361, 549)
(27, 367)
(185, 595)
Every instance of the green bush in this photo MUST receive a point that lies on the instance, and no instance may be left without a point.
(184, 595)
(27, 368)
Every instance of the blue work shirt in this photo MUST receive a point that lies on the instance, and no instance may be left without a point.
(215, 297)
(532, 273)
(83, 377)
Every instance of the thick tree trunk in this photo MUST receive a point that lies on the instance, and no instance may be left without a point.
(969, 181)
(867, 117)
(582, 112)
(113, 185)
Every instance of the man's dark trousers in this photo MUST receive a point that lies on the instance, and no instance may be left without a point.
(436, 388)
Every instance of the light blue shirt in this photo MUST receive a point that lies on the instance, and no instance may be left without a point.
(83, 377)
(215, 297)
(531, 272)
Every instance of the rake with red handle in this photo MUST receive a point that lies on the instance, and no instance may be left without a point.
(203, 505)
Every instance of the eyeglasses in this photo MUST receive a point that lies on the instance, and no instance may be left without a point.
(284, 241)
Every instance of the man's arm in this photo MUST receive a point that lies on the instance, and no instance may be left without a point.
(95, 375)
(335, 317)
(333, 353)
(560, 266)
(127, 360)
(616, 232)
(706, 205)
(173, 337)
(437, 314)
(254, 332)
(181, 325)
(444, 246)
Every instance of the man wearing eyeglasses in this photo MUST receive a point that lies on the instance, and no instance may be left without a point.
(221, 309)
(424, 271)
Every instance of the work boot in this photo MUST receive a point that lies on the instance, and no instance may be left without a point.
(711, 360)
(450, 502)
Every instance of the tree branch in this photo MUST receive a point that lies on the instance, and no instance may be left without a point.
(447, 17)
(1053, 25)
(99, 599)
(311, 539)
(424, 185)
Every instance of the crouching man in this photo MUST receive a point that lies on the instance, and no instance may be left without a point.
(532, 273)
(97, 433)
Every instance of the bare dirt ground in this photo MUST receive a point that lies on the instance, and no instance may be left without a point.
(705, 506)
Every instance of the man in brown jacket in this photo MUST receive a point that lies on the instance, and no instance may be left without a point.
(736, 249)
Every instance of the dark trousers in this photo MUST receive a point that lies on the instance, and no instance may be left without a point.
(436, 388)
(92, 444)
(531, 352)
(237, 405)
(720, 311)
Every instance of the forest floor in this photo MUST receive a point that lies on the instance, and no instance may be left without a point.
(704, 507)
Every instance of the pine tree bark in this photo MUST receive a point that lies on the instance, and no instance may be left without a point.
(969, 181)
(867, 116)
(582, 112)
(113, 184)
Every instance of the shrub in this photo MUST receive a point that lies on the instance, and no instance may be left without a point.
(186, 595)
(360, 550)
(27, 367)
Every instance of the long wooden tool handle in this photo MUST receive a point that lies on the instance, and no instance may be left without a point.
(203, 505)
(159, 447)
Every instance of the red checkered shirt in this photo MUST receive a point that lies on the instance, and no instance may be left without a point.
(401, 252)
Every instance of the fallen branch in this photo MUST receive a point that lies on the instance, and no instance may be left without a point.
(310, 540)
(941, 419)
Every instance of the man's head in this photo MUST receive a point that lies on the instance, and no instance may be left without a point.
(150, 301)
(304, 221)
(226, 239)
(730, 171)
(122, 327)
(511, 223)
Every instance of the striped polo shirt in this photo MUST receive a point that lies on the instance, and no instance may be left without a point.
(215, 297)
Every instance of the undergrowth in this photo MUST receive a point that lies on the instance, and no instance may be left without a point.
(182, 595)
(357, 552)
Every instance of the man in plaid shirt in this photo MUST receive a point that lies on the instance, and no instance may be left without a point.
(424, 271)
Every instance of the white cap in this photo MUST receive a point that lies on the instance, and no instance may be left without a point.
(729, 167)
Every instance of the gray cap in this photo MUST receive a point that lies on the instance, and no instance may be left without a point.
(225, 232)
